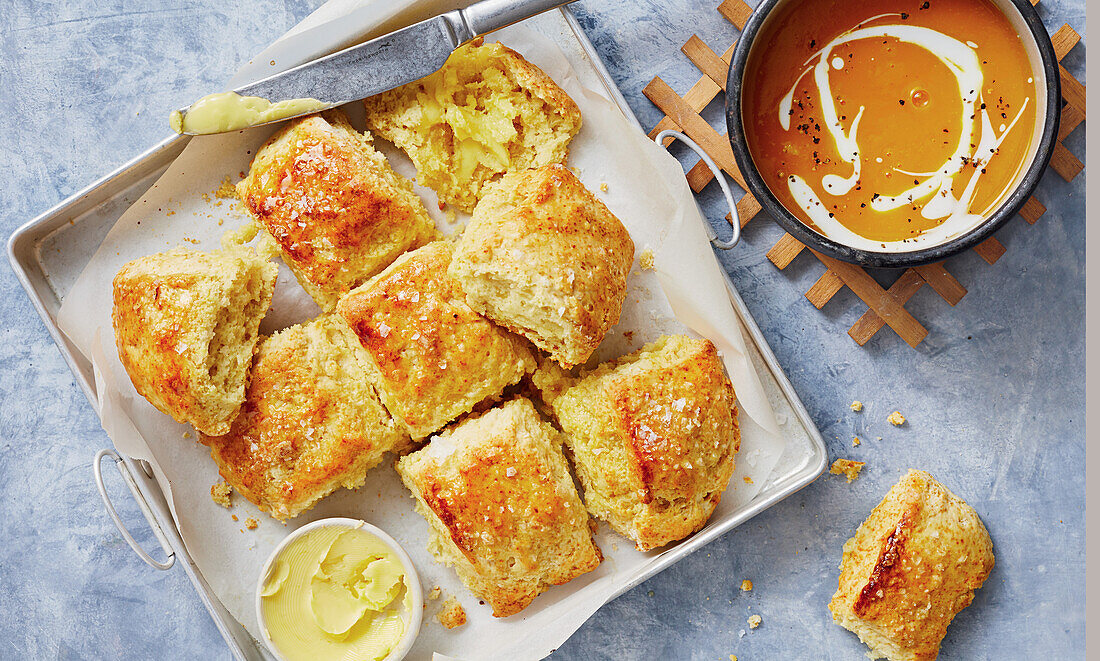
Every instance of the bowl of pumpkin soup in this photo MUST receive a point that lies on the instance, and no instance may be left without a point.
(893, 133)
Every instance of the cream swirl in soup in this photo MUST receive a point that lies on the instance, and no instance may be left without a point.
(898, 130)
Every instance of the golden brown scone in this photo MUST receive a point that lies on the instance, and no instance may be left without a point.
(486, 112)
(653, 437)
(336, 210)
(432, 357)
(503, 509)
(312, 422)
(544, 258)
(910, 568)
(186, 325)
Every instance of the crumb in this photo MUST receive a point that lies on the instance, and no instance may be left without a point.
(747, 479)
(235, 518)
(187, 434)
(434, 593)
(733, 657)
(896, 419)
(450, 215)
(206, 198)
(452, 614)
(847, 468)
(646, 260)
(603, 187)
(251, 523)
(754, 621)
(227, 190)
(221, 493)
(746, 585)
(856, 406)
(855, 441)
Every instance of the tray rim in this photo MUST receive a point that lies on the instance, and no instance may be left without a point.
(22, 254)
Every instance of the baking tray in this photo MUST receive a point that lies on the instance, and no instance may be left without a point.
(49, 252)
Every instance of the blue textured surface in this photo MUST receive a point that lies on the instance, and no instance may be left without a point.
(994, 396)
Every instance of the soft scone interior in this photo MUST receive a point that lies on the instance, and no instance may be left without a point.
(236, 325)
(487, 111)
(186, 325)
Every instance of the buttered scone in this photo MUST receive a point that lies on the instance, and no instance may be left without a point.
(545, 258)
(653, 437)
(312, 422)
(486, 112)
(336, 210)
(910, 568)
(503, 509)
(186, 325)
(431, 355)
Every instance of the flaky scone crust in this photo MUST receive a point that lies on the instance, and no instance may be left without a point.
(910, 568)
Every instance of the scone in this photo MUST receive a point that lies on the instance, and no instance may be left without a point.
(545, 258)
(910, 568)
(486, 112)
(336, 210)
(186, 325)
(502, 506)
(653, 437)
(312, 422)
(432, 357)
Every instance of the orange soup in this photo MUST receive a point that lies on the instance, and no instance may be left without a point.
(884, 124)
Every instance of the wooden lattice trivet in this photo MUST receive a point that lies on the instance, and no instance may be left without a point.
(885, 306)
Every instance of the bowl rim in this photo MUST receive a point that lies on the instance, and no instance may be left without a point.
(412, 582)
(821, 243)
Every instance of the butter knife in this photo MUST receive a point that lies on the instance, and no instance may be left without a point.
(357, 72)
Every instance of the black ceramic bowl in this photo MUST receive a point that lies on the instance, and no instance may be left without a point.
(1041, 53)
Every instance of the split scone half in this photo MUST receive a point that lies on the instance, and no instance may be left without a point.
(910, 568)
(312, 422)
(486, 112)
(432, 357)
(653, 437)
(545, 258)
(337, 211)
(502, 507)
(186, 324)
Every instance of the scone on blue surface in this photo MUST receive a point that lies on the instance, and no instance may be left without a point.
(431, 356)
(186, 324)
(544, 257)
(910, 568)
(502, 507)
(653, 437)
(337, 211)
(312, 422)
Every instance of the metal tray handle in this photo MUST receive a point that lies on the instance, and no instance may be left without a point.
(129, 479)
(721, 179)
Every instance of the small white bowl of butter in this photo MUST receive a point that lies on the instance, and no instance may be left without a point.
(339, 588)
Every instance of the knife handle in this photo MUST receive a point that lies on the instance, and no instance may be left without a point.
(489, 15)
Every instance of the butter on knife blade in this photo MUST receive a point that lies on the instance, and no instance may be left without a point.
(354, 73)
(229, 111)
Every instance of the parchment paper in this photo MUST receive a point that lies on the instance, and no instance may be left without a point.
(646, 189)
